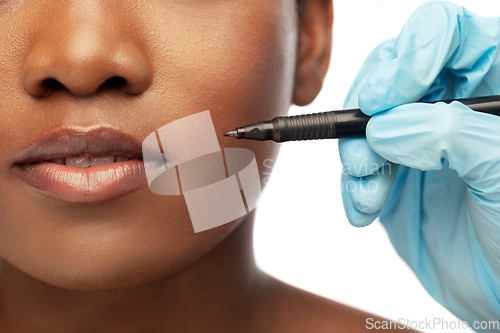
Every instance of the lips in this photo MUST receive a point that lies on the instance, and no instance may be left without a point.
(82, 166)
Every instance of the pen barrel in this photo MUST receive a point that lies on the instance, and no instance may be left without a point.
(486, 104)
(350, 123)
(336, 124)
(316, 126)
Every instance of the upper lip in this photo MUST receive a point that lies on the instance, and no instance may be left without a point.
(68, 142)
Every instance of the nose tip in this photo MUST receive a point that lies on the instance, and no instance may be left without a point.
(85, 62)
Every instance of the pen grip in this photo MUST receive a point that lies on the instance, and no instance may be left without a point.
(323, 125)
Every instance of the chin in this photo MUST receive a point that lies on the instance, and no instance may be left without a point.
(119, 263)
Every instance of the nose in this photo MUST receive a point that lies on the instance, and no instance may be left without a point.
(85, 51)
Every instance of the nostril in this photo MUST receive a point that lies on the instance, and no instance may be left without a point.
(115, 82)
(42, 88)
(49, 85)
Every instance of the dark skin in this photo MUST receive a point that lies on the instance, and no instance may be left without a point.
(133, 263)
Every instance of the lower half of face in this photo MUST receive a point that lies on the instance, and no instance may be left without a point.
(233, 58)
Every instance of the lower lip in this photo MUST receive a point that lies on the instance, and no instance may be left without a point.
(93, 184)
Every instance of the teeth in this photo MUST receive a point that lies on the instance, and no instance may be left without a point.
(80, 162)
(121, 158)
(58, 160)
(101, 160)
(85, 162)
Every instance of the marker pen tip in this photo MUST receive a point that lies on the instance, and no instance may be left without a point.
(231, 134)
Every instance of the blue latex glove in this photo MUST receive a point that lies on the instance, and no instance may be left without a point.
(432, 171)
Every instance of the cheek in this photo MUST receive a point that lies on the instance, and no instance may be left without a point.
(236, 60)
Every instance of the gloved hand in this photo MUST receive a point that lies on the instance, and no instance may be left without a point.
(432, 171)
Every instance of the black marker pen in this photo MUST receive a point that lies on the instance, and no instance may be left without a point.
(334, 124)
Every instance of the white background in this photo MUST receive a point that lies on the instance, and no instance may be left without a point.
(302, 235)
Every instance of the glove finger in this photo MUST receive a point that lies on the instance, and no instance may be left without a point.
(424, 136)
(380, 54)
(369, 194)
(432, 39)
(354, 216)
(411, 135)
(358, 159)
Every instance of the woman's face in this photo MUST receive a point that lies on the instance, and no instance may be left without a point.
(168, 59)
